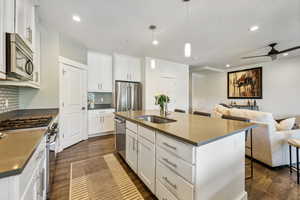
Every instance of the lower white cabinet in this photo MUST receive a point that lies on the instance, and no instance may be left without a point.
(132, 150)
(162, 192)
(146, 163)
(100, 121)
(31, 183)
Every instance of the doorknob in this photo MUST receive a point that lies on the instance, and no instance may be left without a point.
(83, 108)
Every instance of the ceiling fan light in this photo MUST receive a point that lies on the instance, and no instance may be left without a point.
(187, 50)
(152, 63)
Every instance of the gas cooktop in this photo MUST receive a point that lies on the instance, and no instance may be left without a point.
(33, 122)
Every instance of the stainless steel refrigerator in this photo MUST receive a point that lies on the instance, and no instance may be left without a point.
(128, 96)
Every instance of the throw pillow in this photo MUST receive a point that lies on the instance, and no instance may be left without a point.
(286, 124)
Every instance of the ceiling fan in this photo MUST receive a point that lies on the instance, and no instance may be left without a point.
(273, 53)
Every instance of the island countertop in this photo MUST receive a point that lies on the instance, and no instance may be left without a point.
(193, 129)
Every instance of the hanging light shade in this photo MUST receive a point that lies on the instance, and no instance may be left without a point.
(154, 40)
(152, 63)
(187, 50)
(187, 45)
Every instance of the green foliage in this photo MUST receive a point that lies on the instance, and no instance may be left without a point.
(161, 99)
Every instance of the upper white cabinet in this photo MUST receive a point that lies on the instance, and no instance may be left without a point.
(2, 40)
(25, 20)
(127, 68)
(99, 72)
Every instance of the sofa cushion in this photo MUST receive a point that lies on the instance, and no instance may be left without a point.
(222, 110)
(286, 124)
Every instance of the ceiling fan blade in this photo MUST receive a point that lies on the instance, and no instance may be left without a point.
(287, 50)
(255, 56)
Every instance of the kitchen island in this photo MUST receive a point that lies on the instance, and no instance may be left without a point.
(187, 157)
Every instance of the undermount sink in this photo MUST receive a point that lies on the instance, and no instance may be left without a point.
(155, 119)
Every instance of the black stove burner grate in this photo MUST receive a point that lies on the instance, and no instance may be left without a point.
(13, 124)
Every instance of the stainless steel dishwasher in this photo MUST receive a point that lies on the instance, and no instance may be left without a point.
(120, 124)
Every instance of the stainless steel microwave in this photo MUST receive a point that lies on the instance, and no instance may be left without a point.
(19, 58)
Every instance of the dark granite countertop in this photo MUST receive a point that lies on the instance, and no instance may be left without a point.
(101, 107)
(193, 129)
(17, 147)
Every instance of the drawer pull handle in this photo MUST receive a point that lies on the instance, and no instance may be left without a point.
(170, 146)
(170, 163)
(169, 182)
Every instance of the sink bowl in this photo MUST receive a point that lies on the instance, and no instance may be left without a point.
(155, 119)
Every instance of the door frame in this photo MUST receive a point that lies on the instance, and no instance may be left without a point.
(83, 67)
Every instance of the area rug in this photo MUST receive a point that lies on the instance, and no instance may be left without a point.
(101, 178)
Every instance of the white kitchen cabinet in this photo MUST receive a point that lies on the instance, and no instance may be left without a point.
(2, 39)
(132, 150)
(127, 68)
(100, 122)
(25, 20)
(31, 183)
(99, 72)
(146, 163)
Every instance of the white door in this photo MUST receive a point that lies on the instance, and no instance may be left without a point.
(106, 74)
(121, 68)
(131, 150)
(108, 122)
(73, 105)
(146, 163)
(135, 69)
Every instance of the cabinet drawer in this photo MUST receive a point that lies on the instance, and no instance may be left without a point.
(162, 193)
(180, 149)
(146, 133)
(131, 134)
(174, 183)
(131, 126)
(179, 166)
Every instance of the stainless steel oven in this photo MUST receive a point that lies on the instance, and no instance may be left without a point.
(19, 58)
(120, 124)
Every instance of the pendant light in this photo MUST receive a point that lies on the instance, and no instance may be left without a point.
(152, 63)
(187, 45)
(154, 40)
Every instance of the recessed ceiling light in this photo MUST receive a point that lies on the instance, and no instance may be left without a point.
(155, 42)
(227, 65)
(285, 54)
(254, 28)
(76, 18)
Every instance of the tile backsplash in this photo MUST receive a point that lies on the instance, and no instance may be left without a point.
(10, 93)
(100, 98)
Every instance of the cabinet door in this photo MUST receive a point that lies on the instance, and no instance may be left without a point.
(106, 74)
(20, 18)
(131, 150)
(108, 124)
(94, 64)
(94, 123)
(135, 69)
(31, 192)
(121, 68)
(146, 163)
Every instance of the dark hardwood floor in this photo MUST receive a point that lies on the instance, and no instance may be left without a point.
(267, 184)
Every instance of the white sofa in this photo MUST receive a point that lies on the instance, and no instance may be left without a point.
(269, 145)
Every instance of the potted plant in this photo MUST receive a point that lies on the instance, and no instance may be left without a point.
(162, 100)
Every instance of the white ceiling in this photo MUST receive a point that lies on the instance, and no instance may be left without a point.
(218, 33)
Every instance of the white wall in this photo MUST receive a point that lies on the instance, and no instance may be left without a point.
(281, 88)
(169, 78)
(53, 45)
(47, 95)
